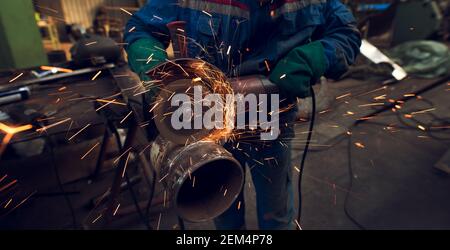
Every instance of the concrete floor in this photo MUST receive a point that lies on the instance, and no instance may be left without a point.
(394, 183)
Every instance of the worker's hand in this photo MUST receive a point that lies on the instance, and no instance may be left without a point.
(143, 55)
(300, 69)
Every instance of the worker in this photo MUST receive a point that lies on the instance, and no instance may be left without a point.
(293, 42)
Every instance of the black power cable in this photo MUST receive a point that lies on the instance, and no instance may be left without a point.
(305, 154)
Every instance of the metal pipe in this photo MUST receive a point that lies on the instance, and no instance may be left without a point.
(203, 179)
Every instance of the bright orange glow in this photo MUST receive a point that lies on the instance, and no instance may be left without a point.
(14, 130)
(56, 69)
(10, 132)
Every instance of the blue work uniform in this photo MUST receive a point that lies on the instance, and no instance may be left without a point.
(244, 37)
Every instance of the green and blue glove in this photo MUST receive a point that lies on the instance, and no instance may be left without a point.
(300, 69)
(143, 55)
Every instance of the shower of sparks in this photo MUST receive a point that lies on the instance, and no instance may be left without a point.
(15, 78)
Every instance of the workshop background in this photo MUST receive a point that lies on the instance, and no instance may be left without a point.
(71, 128)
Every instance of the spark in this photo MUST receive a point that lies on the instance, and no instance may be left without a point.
(91, 43)
(157, 17)
(239, 205)
(422, 127)
(297, 169)
(423, 111)
(126, 117)
(360, 145)
(132, 29)
(373, 91)
(283, 76)
(15, 78)
(7, 204)
(12, 183)
(165, 198)
(98, 218)
(126, 165)
(381, 97)
(206, 13)
(343, 96)
(53, 125)
(111, 102)
(371, 104)
(85, 127)
(126, 11)
(124, 153)
(56, 69)
(229, 50)
(298, 225)
(159, 222)
(105, 105)
(117, 209)
(96, 75)
(267, 65)
(90, 151)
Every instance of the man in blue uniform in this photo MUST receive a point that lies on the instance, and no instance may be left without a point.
(293, 42)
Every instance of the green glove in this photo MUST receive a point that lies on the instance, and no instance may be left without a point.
(144, 54)
(300, 69)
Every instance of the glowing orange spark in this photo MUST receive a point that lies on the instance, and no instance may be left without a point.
(57, 69)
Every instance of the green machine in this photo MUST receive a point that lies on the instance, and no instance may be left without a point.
(20, 39)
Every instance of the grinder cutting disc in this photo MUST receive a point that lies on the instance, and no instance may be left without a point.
(178, 77)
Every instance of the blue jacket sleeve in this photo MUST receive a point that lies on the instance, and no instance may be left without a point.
(341, 39)
(151, 22)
